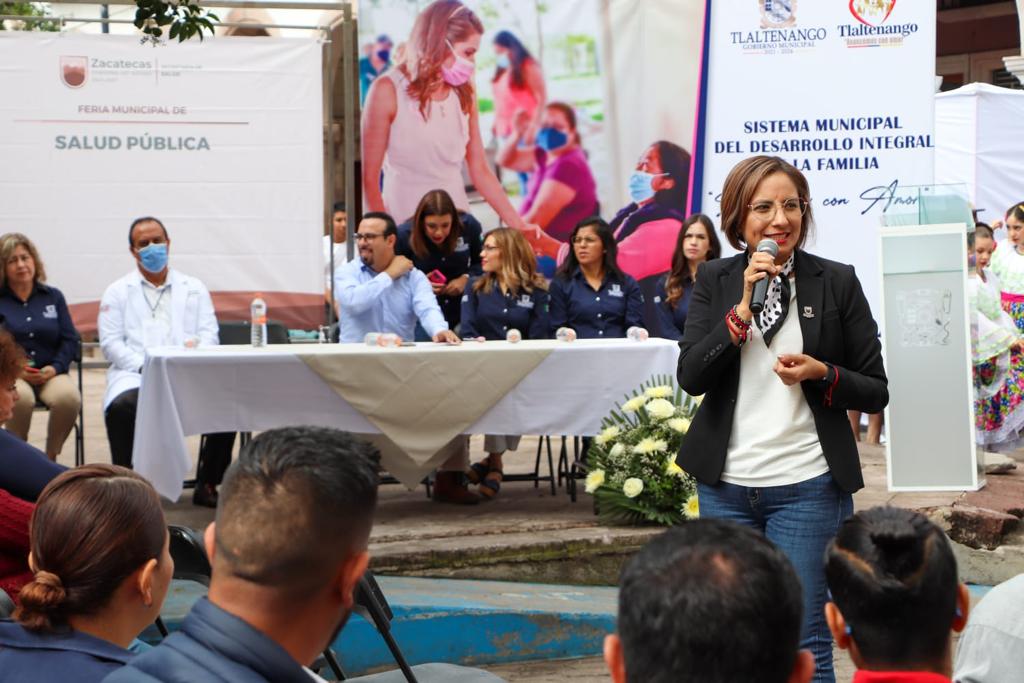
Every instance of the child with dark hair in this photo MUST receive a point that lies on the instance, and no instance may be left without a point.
(895, 596)
(995, 353)
(1008, 265)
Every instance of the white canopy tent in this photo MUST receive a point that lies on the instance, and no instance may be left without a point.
(979, 141)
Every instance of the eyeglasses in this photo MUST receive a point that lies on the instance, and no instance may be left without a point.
(490, 247)
(791, 208)
(585, 240)
(367, 236)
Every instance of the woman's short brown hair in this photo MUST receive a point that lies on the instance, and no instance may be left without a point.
(10, 242)
(740, 186)
(12, 359)
(93, 526)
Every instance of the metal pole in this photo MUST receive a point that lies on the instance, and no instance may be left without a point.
(350, 104)
(105, 14)
(327, 55)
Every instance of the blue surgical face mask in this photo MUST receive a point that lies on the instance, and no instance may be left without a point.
(550, 139)
(154, 257)
(503, 61)
(383, 55)
(640, 189)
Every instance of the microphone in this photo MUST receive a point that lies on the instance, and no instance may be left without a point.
(761, 286)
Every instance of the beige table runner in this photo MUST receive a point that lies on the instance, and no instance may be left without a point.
(422, 398)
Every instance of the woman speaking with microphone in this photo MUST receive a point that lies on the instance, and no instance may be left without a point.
(771, 446)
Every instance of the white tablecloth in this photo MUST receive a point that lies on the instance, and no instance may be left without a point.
(237, 388)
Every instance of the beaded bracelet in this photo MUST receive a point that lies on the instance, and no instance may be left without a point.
(740, 332)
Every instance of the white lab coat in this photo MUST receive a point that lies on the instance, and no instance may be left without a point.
(124, 312)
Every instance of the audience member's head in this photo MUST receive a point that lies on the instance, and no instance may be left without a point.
(339, 222)
(709, 601)
(99, 550)
(12, 364)
(895, 595)
(18, 253)
(375, 239)
(150, 244)
(436, 222)
(289, 543)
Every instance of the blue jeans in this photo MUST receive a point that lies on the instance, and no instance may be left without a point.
(800, 519)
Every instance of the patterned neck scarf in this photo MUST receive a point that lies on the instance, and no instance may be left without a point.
(776, 303)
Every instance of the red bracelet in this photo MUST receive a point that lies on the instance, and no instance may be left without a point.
(741, 333)
(739, 322)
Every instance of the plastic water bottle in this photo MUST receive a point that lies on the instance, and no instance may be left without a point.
(258, 313)
(637, 334)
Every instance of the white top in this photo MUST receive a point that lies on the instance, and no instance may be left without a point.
(340, 258)
(774, 441)
(128, 324)
(424, 154)
(991, 648)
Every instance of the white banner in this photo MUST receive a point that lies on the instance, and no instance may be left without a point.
(844, 91)
(220, 139)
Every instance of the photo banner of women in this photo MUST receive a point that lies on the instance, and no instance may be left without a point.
(842, 90)
(219, 139)
(557, 112)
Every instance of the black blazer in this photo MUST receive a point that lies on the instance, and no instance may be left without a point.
(837, 328)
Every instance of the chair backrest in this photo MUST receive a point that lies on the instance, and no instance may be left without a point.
(189, 555)
(371, 604)
(237, 332)
(6, 605)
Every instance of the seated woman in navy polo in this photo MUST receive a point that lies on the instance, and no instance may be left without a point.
(696, 244)
(102, 566)
(445, 245)
(589, 293)
(37, 315)
(510, 295)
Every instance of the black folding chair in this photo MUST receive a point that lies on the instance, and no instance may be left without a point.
(6, 605)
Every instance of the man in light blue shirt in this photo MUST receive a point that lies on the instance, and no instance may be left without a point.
(383, 292)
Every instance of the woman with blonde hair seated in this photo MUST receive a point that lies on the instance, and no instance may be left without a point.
(509, 297)
(102, 566)
(37, 315)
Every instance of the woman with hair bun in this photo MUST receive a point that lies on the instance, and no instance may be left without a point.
(102, 566)
(894, 596)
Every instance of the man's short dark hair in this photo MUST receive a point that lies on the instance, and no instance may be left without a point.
(893, 577)
(709, 601)
(339, 207)
(296, 503)
(389, 223)
(145, 219)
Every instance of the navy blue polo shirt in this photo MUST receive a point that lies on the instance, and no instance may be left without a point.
(604, 313)
(66, 655)
(464, 259)
(492, 314)
(42, 326)
(672, 320)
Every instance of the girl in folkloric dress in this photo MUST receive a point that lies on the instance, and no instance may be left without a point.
(1008, 265)
(996, 354)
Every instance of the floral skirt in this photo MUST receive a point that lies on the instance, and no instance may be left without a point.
(999, 417)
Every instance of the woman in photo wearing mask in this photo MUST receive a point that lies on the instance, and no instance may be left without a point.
(646, 229)
(518, 86)
(421, 121)
(562, 191)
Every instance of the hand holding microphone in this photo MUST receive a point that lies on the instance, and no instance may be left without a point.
(760, 270)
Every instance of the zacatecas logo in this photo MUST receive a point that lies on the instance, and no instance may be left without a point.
(74, 71)
(873, 29)
(778, 32)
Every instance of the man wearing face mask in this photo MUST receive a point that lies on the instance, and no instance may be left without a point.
(373, 65)
(151, 306)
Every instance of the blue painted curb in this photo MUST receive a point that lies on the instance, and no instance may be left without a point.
(461, 622)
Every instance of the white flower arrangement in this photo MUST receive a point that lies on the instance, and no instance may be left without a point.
(633, 474)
